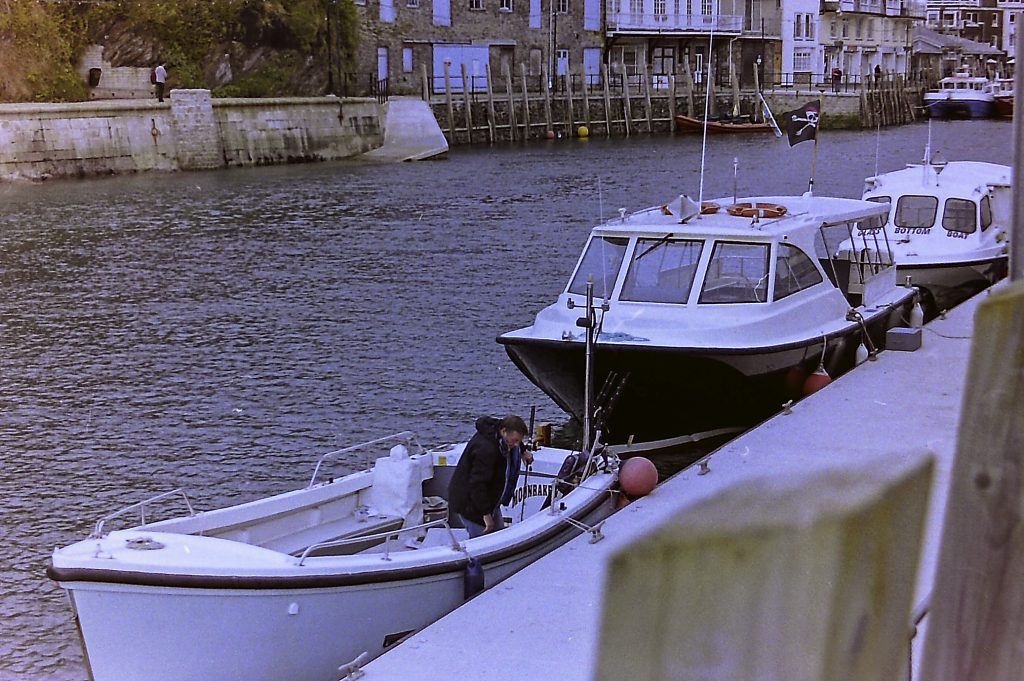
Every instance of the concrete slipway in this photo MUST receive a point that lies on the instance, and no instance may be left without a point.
(544, 621)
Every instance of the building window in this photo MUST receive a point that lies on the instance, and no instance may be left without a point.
(412, 3)
(803, 26)
(801, 61)
(705, 7)
(407, 60)
(563, 6)
(504, 5)
(660, 9)
(476, 4)
(995, 21)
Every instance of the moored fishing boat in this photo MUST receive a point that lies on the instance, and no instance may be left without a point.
(948, 227)
(711, 314)
(960, 96)
(296, 585)
(687, 124)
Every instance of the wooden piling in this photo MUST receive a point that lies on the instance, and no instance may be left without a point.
(511, 102)
(426, 82)
(647, 97)
(469, 104)
(547, 101)
(586, 102)
(607, 101)
(803, 576)
(490, 105)
(689, 88)
(627, 113)
(975, 626)
(448, 97)
(569, 121)
(672, 102)
(526, 103)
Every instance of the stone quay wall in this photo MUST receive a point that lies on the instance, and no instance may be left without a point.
(189, 131)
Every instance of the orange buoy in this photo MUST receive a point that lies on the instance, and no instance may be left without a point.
(758, 210)
(550, 134)
(638, 476)
(816, 381)
(793, 383)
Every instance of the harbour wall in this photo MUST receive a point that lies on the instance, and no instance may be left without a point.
(189, 131)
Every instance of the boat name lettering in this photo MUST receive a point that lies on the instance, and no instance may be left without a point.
(872, 230)
(913, 230)
(956, 235)
(531, 490)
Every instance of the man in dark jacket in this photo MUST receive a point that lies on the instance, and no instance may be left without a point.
(486, 474)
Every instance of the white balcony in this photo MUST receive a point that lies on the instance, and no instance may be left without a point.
(643, 22)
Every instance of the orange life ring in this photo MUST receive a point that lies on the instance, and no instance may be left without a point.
(759, 210)
(709, 208)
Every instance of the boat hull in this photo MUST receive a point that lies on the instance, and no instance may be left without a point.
(1004, 106)
(685, 124)
(946, 285)
(958, 108)
(673, 391)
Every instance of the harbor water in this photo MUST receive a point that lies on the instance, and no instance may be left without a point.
(218, 331)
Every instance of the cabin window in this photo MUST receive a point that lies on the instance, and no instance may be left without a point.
(916, 212)
(986, 213)
(602, 261)
(794, 271)
(882, 199)
(737, 273)
(959, 216)
(662, 271)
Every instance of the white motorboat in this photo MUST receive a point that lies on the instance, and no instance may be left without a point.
(713, 315)
(298, 585)
(948, 227)
(961, 96)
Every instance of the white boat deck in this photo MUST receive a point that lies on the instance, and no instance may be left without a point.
(543, 622)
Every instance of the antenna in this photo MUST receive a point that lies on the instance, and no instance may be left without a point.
(878, 143)
(600, 200)
(735, 173)
(707, 104)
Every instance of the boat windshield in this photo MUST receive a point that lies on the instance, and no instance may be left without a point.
(916, 212)
(959, 216)
(737, 273)
(794, 271)
(986, 213)
(662, 271)
(882, 199)
(602, 261)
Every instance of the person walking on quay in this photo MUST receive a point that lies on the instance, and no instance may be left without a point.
(837, 78)
(486, 474)
(160, 79)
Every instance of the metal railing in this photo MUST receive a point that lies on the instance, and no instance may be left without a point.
(141, 506)
(406, 437)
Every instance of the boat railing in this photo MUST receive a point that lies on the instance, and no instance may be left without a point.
(141, 507)
(386, 537)
(406, 437)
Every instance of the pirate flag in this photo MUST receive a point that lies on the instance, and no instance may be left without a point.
(802, 124)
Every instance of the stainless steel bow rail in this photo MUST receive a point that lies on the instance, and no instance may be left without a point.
(141, 506)
(386, 536)
(406, 437)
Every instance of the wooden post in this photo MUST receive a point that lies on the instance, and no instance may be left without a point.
(469, 104)
(975, 626)
(547, 101)
(607, 101)
(490, 105)
(526, 103)
(672, 102)
(647, 96)
(569, 122)
(426, 83)
(511, 103)
(448, 96)
(689, 87)
(586, 101)
(799, 576)
(627, 113)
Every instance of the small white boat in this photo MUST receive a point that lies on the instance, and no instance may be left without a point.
(710, 314)
(961, 96)
(294, 586)
(948, 227)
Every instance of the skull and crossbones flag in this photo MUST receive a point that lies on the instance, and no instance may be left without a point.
(802, 124)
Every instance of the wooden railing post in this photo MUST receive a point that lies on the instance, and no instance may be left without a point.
(975, 627)
(797, 576)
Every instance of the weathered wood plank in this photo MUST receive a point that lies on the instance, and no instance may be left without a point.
(975, 625)
(800, 577)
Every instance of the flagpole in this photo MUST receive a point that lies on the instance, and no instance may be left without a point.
(814, 154)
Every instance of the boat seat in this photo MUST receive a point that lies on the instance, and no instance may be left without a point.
(373, 525)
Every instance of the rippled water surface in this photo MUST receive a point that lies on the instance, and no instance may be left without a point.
(217, 331)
